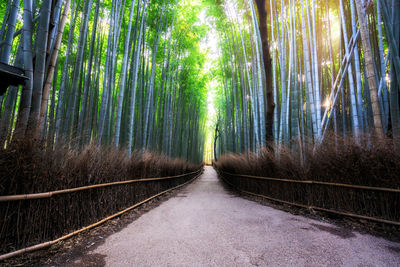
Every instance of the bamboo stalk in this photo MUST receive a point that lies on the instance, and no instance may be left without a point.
(50, 243)
(384, 189)
(71, 190)
(53, 60)
(18, 32)
(314, 207)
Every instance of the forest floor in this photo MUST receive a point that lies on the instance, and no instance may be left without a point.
(205, 224)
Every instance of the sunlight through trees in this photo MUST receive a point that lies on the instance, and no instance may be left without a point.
(142, 74)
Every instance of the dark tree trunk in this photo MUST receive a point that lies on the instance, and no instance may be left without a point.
(262, 15)
(216, 135)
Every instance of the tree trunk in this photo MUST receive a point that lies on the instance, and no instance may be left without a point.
(123, 79)
(262, 13)
(53, 60)
(369, 64)
(40, 65)
(26, 96)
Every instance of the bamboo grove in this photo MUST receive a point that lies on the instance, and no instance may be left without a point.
(333, 74)
(122, 73)
(131, 74)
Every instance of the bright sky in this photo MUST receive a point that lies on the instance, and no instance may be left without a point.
(209, 45)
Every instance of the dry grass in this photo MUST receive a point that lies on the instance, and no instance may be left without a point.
(27, 168)
(370, 162)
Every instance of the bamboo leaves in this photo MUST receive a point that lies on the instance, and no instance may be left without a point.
(111, 88)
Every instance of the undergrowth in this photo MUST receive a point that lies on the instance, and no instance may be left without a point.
(26, 167)
(368, 162)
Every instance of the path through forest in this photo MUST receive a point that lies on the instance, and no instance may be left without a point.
(206, 225)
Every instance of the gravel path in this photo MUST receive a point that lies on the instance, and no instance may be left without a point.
(205, 225)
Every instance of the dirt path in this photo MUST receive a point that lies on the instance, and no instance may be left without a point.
(205, 225)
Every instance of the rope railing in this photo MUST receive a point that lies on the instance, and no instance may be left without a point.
(50, 243)
(222, 175)
(384, 189)
(76, 189)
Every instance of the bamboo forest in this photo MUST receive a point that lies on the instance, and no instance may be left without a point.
(105, 104)
(136, 74)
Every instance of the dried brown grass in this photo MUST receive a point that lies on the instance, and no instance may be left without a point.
(367, 162)
(26, 167)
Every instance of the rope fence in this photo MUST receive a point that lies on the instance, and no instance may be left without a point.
(375, 204)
